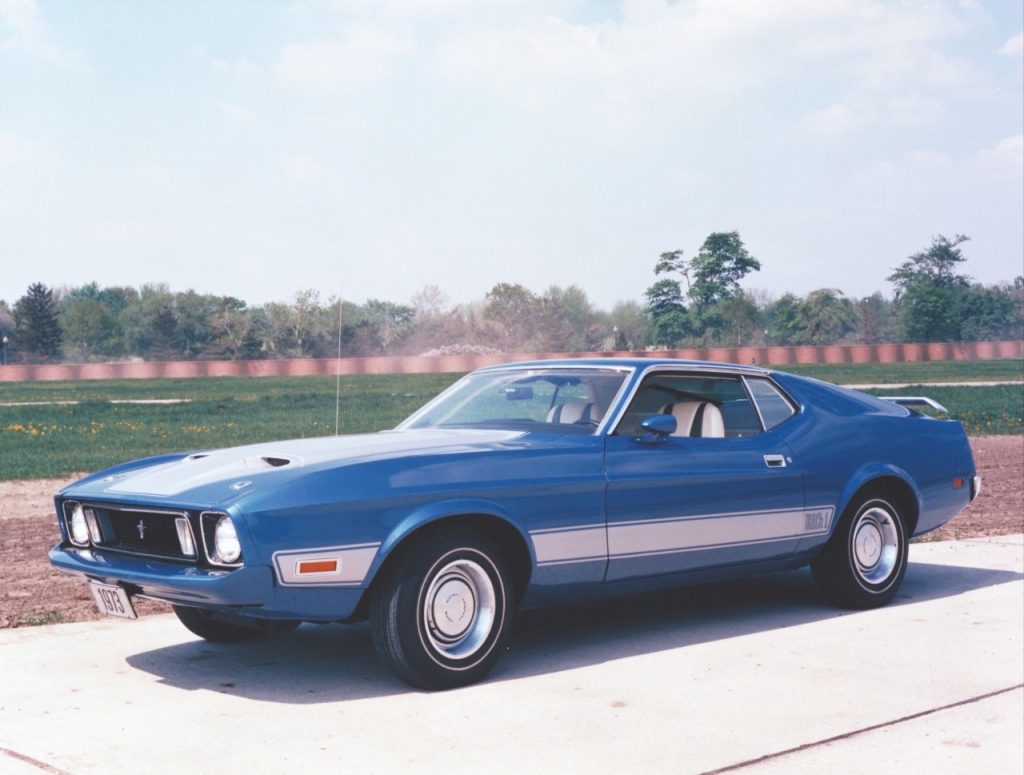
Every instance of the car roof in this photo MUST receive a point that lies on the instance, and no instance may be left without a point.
(637, 363)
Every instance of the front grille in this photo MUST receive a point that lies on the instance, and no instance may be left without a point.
(153, 533)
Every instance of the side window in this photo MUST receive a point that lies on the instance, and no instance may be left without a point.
(774, 407)
(704, 405)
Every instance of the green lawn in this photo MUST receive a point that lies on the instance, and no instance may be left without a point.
(924, 371)
(44, 441)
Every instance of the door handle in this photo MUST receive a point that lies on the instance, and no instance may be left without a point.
(775, 461)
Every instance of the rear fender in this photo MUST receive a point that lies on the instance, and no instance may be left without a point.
(868, 473)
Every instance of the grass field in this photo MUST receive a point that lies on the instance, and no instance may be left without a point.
(55, 440)
(924, 371)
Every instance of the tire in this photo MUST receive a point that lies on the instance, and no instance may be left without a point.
(441, 616)
(864, 562)
(217, 628)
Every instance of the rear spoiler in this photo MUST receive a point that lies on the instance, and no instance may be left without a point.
(916, 401)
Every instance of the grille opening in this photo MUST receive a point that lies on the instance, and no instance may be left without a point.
(276, 462)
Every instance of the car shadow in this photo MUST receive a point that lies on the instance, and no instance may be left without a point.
(337, 663)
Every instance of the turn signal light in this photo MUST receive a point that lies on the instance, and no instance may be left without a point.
(317, 566)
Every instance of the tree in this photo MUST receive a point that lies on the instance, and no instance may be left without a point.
(929, 291)
(740, 318)
(824, 316)
(669, 322)
(91, 328)
(631, 325)
(139, 322)
(38, 322)
(235, 332)
(715, 272)
(876, 321)
(827, 316)
(992, 313)
(567, 322)
(7, 328)
(515, 309)
(784, 320)
(391, 321)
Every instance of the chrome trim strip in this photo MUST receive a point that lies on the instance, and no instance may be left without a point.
(354, 561)
(916, 401)
(750, 397)
(67, 522)
(206, 550)
(684, 367)
(186, 538)
(138, 510)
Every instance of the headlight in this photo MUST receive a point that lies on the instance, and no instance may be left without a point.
(226, 548)
(78, 527)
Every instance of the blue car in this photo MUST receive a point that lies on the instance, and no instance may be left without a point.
(520, 486)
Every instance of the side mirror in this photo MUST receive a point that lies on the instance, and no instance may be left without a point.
(658, 427)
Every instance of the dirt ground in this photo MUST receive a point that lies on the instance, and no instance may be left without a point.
(34, 593)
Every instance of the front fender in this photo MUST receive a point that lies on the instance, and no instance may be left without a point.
(436, 511)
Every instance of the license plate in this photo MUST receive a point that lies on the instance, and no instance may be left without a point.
(112, 600)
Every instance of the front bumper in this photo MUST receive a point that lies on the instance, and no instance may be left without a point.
(247, 591)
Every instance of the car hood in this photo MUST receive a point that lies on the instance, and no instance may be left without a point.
(216, 475)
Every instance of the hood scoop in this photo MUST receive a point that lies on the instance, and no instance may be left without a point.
(202, 468)
(277, 462)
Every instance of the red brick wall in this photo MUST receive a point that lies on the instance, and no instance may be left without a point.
(412, 364)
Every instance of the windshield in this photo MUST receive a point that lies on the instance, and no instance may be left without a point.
(562, 400)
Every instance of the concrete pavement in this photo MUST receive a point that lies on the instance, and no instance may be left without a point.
(752, 676)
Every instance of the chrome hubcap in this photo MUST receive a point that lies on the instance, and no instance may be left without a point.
(876, 545)
(459, 609)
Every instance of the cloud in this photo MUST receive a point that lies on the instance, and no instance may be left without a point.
(1008, 154)
(362, 55)
(18, 150)
(242, 68)
(239, 115)
(301, 168)
(22, 30)
(1014, 47)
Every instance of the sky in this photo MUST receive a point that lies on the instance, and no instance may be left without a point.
(368, 149)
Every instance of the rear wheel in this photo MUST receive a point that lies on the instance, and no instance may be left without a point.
(223, 628)
(864, 563)
(441, 616)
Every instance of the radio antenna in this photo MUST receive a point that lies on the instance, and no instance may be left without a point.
(337, 371)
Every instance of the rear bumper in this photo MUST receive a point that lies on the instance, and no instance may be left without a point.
(247, 591)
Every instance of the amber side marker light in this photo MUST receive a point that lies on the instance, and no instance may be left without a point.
(317, 566)
(958, 482)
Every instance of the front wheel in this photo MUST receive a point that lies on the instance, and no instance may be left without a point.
(863, 564)
(440, 618)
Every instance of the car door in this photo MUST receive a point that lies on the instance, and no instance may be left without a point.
(724, 495)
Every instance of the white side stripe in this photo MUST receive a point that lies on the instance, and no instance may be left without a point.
(678, 534)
